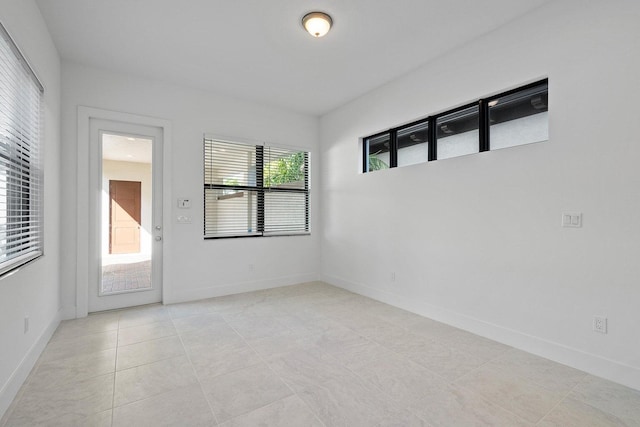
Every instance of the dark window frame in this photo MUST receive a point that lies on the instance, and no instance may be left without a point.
(484, 125)
(260, 189)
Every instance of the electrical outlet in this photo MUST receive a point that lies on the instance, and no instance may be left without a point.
(26, 324)
(600, 324)
(251, 267)
(393, 276)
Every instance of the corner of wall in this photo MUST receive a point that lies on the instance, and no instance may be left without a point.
(20, 375)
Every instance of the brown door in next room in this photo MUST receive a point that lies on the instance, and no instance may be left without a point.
(124, 215)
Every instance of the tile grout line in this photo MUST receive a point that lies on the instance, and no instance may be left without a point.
(560, 401)
(115, 372)
(445, 380)
(195, 373)
(277, 375)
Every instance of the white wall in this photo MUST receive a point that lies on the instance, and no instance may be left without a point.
(128, 171)
(34, 290)
(199, 268)
(476, 241)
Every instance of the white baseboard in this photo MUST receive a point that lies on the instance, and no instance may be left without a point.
(236, 288)
(20, 374)
(591, 363)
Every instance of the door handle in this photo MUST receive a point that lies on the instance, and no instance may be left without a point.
(158, 238)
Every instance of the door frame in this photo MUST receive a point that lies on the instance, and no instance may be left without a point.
(87, 168)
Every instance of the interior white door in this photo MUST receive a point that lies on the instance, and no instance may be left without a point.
(122, 153)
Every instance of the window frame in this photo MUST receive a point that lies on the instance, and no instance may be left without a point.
(484, 137)
(261, 189)
(23, 159)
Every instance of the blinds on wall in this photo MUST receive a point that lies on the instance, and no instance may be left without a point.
(254, 190)
(21, 214)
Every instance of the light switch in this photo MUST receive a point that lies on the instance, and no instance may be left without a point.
(184, 203)
(573, 220)
(183, 219)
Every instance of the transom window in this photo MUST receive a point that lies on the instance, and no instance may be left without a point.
(512, 118)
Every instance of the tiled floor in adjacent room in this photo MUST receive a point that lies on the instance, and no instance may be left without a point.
(308, 355)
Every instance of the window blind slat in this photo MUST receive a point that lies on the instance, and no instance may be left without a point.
(20, 170)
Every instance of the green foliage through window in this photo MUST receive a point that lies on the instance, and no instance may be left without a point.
(284, 170)
(376, 164)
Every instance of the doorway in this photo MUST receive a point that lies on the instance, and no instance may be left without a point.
(125, 215)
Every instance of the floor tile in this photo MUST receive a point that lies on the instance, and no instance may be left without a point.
(179, 407)
(144, 315)
(192, 324)
(56, 372)
(377, 330)
(452, 405)
(307, 368)
(348, 401)
(481, 347)
(243, 391)
(572, 413)
(357, 356)
(214, 335)
(80, 398)
(258, 327)
(151, 331)
(527, 400)
(290, 411)
(338, 340)
(102, 419)
(84, 344)
(610, 397)
(428, 328)
(212, 361)
(403, 380)
(155, 378)
(282, 344)
(92, 324)
(195, 308)
(449, 362)
(540, 371)
(148, 352)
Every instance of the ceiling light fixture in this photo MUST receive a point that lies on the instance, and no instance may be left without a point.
(317, 23)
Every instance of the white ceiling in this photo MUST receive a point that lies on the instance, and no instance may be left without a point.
(257, 49)
(126, 148)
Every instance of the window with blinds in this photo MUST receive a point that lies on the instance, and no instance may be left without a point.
(254, 190)
(21, 218)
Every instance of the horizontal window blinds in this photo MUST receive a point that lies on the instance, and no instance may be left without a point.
(20, 170)
(254, 190)
(286, 201)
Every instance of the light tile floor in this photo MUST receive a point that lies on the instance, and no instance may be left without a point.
(307, 355)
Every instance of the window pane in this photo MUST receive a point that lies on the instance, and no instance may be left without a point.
(457, 133)
(21, 221)
(413, 145)
(377, 149)
(230, 213)
(285, 212)
(229, 164)
(254, 190)
(284, 168)
(519, 118)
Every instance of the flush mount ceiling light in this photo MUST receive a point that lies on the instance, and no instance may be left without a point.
(317, 23)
